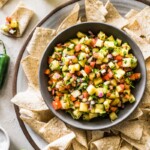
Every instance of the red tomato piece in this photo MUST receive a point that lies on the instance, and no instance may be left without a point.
(87, 69)
(85, 94)
(93, 42)
(56, 105)
(118, 57)
(72, 98)
(77, 104)
(92, 64)
(78, 47)
(119, 63)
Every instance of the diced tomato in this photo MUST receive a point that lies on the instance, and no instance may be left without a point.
(127, 96)
(92, 64)
(85, 94)
(78, 47)
(110, 74)
(56, 105)
(47, 71)
(118, 57)
(119, 63)
(93, 42)
(72, 98)
(106, 77)
(8, 19)
(87, 69)
(122, 86)
(77, 104)
(50, 60)
(113, 109)
(135, 76)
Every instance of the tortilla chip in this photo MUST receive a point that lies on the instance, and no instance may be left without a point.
(50, 131)
(30, 99)
(146, 114)
(131, 14)
(143, 18)
(43, 116)
(145, 102)
(80, 137)
(107, 143)
(132, 129)
(113, 17)
(136, 114)
(143, 45)
(54, 129)
(2, 3)
(40, 40)
(95, 11)
(148, 73)
(144, 143)
(70, 20)
(126, 146)
(62, 143)
(30, 66)
(77, 146)
(23, 15)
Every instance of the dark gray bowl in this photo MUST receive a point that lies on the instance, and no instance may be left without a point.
(98, 123)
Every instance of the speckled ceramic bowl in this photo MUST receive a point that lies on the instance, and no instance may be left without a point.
(97, 123)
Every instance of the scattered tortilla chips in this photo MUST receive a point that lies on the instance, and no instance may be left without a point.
(95, 11)
(126, 146)
(2, 3)
(80, 138)
(113, 17)
(136, 114)
(70, 20)
(77, 146)
(61, 143)
(146, 114)
(131, 14)
(22, 15)
(144, 46)
(148, 73)
(143, 19)
(30, 66)
(132, 129)
(43, 116)
(30, 99)
(40, 40)
(107, 143)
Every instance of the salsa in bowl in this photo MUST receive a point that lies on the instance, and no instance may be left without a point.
(92, 75)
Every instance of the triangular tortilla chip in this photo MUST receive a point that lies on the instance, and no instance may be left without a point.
(113, 17)
(61, 143)
(40, 40)
(95, 11)
(131, 14)
(146, 114)
(136, 114)
(77, 146)
(70, 20)
(22, 15)
(148, 72)
(144, 143)
(143, 45)
(126, 146)
(30, 99)
(54, 129)
(143, 19)
(80, 137)
(2, 3)
(132, 129)
(43, 116)
(107, 143)
(30, 66)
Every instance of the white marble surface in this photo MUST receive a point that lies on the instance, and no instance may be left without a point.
(8, 118)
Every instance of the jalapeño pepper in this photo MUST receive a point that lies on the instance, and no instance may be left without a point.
(4, 63)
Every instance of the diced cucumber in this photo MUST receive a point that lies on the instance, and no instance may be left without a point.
(132, 99)
(99, 108)
(118, 74)
(119, 41)
(76, 114)
(101, 35)
(82, 56)
(113, 116)
(54, 65)
(99, 43)
(65, 68)
(75, 41)
(83, 107)
(111, 38)
(94, 50)
(109, 44)
(76, 93)
(126, 46)
(107, 103)
(111, 65)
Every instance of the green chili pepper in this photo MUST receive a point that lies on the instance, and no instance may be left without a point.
(4, 63)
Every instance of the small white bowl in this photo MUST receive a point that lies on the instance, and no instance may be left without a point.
(6, 139)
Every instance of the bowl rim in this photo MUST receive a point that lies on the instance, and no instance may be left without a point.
(117, 121)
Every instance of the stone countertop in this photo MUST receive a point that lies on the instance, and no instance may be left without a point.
(8, 118)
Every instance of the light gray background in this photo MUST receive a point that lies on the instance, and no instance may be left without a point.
(8, 118)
